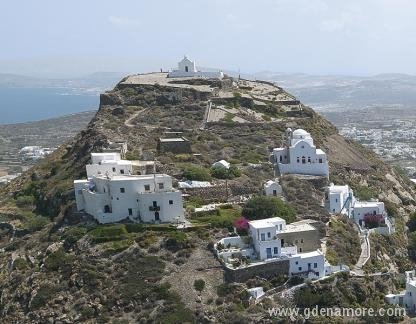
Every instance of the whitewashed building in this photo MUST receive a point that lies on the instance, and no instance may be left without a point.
(370, 214)
(272, 188)
(111, 196)
(339, 199)
(221, 164)
(268, 238)
(407, 298)
(108, 164)
(187, 68)
(300, 155)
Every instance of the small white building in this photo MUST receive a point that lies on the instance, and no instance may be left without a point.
(256, 292)
(300, 156)
(111, 195)
(187, 68)
(309, 264)
(272, 188)
(361, 209)
(339, 199)
(108, 164)
(407, 298)
(221, 164)
(370, 214)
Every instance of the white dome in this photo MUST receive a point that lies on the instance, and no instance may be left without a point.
(300, 132)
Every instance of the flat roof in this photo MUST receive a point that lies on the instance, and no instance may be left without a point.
(267, 222)
(134, 177)
(367, 203)
(308, 254)
(178, 139)
(293, 228)
(338, 188)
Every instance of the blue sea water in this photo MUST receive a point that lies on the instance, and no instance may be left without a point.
(19, 105)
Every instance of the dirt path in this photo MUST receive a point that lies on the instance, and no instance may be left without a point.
(129, 120)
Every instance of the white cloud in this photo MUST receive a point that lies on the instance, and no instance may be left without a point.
(123, 21)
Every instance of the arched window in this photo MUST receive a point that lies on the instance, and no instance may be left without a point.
(107, 209)
(281, 158)
(309, 159)
(303, 160)
(297, 159)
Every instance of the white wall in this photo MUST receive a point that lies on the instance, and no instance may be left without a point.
(299, 263)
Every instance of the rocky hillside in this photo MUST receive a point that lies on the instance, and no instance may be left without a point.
(61, 267)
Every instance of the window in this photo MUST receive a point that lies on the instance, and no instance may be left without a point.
(281, 226)
(147, 187)
(186, 68)
(122, 171)
(269, 235)
(275, 250)
(297, 262)
(297, 159)
(309, 159)
(161, 185)
(300, 249)
(281, 158)
(130, 212)
(274, 192)
(122, 190)
(303, 160)
(114, 169)
(301, 240)
(303, 146)
(170, 202)
(300, 268)
(315, 265)
(263, 237)
(104, 189)
(336, 199)
(320, 160)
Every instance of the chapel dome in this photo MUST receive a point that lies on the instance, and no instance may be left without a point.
(300, 133)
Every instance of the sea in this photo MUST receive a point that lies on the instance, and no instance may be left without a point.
(18, 105)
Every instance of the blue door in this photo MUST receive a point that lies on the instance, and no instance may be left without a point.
(269, 252)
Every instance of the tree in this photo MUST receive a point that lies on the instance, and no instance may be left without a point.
(261, 207)
(224, 173)
(197, 173)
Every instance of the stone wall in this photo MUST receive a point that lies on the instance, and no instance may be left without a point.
(264, 270)
(310, 240)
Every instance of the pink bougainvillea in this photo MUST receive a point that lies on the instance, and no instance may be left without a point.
(241, 223)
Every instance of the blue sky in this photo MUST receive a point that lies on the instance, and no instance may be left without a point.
(50, 37)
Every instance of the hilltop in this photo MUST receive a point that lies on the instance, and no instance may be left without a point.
(122, 271)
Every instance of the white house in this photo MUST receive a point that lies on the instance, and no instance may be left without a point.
(406, 298)
(367, 208)
(272, 188)
(309, 264)
(256, 292)
(339, 199)
(187, 68)
(108, 164)
(221, 164)
(370, 214)
(300, 156)
(111, 195)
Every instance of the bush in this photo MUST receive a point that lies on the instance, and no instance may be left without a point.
(197, 174)
(73, 234)
(36, 223)
(59, 260)
(223, 173)
(25, 201)
(199, 285)
(108, 233)
(43, 295)
(261, 207)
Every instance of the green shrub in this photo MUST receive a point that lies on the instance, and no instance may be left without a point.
(261, 207)
(36, 223)
(43, 295)
(199, 285)
(223, 173)
(107, 233)
(25, 201)
(197, 173)
(73, 234)
(59, 260)
(365, 193)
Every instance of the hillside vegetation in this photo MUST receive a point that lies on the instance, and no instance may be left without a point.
(55, 269)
